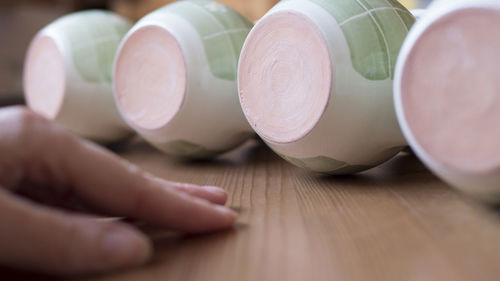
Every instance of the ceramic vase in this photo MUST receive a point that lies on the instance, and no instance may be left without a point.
(68, 73)
(447, 94)
(315, 82)
(175, 78)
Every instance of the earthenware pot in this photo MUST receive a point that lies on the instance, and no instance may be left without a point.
(447, 94)
(175, 78)
(315, 82)
(67, 74)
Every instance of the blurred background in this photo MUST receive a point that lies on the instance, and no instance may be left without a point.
(21, 19)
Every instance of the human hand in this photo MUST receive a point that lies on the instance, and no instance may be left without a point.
(48, 165)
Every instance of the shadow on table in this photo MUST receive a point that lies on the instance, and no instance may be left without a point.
(403, 168)
(252, 151)
(406, 175)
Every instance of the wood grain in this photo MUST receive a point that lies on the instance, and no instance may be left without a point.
(395, 222)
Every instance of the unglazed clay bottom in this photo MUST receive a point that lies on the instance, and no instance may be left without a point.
(286, 77)
(45, 77)
(150, 77)
(67, 74)
(451, 91)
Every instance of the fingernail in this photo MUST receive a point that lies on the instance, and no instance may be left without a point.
(215, 190)
(124, 247)
(228, 213)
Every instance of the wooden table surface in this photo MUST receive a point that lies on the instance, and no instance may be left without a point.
(394, 222)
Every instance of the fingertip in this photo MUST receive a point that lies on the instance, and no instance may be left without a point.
(219, 194)
(229, 215)
(213, 194)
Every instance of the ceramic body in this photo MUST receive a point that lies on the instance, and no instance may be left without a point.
(356, 127)
(434, 3)
(482, 183)
(67, 75)
(418, 13)
(196, 45)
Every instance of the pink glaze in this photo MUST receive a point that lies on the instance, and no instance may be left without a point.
(451, 90)
(44, 77)
(150, 77)
(285, 77)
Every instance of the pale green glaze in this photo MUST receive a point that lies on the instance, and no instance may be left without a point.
(374, 30)
(222, 30)
(93, 38)
(326, 165)
(187, 149)
(197, 151)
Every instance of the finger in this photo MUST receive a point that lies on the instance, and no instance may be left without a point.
(213, 194)
(38, 238)
(111, 183)
(123, 189)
